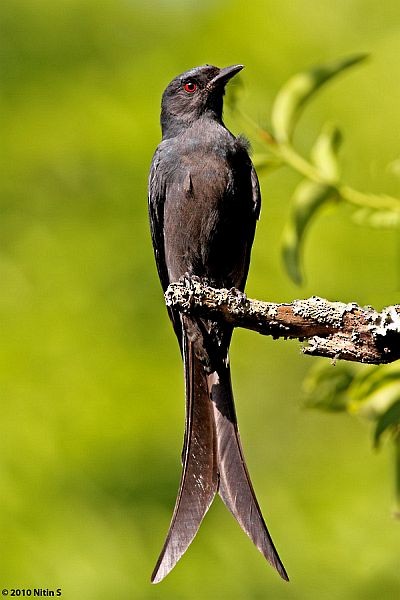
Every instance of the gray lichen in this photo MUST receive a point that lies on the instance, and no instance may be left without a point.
(388, 320)
(318, 309)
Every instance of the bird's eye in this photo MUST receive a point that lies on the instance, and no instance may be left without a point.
(190, 87)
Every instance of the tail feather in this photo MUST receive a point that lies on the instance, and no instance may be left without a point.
(213, 462)
(235, 486)
(199, 480)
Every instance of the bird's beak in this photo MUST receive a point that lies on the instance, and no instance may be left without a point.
(224, 75)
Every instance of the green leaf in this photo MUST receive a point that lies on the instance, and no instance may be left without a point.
(389, 420)
(299, 89)
(308, 197)
(326, 387)
(379, 219)
(372, 379)
(372, 396)
(324, 153)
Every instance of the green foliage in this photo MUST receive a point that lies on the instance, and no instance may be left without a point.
(326, 388)
(324, 153)
(388, 421)
(373, 394)
(307, 198)
(300, 88)
(322, 173)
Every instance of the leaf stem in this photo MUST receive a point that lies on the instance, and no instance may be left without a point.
(300, 164)
(373, 201)
(287, 154)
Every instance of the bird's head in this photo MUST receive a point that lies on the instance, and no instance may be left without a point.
(193, 94)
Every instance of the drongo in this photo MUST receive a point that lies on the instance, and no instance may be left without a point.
(204, 201)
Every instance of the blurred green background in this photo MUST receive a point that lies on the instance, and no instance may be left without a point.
(90, 375)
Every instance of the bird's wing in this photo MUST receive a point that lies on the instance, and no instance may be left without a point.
(156, 214)
(255, 214)
(256, 193)
(156, 202)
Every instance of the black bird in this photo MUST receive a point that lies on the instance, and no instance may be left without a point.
(204, 201)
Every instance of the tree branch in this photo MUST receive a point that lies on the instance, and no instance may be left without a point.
(333, 329)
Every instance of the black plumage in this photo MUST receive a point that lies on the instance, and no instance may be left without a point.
(204, 201)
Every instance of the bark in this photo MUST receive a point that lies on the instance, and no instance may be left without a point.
(332, 329)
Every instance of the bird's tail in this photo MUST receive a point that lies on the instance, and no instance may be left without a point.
(212, 462)
(235, 487)
(199, 480)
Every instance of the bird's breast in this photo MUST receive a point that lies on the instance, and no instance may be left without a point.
(207, 207)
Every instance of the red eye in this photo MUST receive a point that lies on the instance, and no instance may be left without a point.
(190, 87)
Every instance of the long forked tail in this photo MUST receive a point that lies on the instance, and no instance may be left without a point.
(235, 487)
(212, 462)
(199, 480)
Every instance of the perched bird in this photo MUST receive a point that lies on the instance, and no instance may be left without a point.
(204, 201)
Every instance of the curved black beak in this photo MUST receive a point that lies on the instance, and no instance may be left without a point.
(224, 75)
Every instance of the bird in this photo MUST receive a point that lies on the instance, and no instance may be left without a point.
(204, 201)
